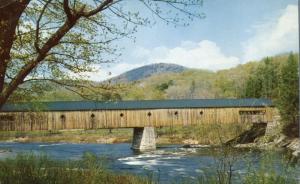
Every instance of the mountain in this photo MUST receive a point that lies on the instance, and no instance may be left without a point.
(197, 83)
(169, 81)
(147, 71)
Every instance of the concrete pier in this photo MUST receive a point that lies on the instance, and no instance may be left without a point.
(143, 139)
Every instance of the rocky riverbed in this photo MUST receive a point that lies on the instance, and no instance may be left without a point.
(259, 137)
(256, 137)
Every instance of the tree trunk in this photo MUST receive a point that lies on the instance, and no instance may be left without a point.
(9, 18)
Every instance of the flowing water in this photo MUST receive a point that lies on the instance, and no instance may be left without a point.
(170, 163)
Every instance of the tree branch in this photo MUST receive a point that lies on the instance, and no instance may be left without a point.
(37, 31)
(105, 4)
(67, 10)
(9, 19)
(73, 87)
(26, 69)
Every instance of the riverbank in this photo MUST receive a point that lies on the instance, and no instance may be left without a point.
(292, 145)
(259, 136)
(208, 134)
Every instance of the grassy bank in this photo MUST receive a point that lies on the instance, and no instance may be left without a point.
(30, 169)
(196, 134)
(200, 134)
(72, 136)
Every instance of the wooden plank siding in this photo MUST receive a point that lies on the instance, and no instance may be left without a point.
(97, 119)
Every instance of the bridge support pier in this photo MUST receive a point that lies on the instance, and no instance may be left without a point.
(143, 139)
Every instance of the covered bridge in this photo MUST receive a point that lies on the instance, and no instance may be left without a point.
(143, 116)
(130, 114)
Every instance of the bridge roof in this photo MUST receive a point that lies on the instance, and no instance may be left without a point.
(142, 104)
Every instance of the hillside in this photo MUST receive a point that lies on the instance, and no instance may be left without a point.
(197, 83)
(168, 81)
(147, 71)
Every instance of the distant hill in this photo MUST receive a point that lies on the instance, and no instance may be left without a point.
(170, 81)
(147, 71)
(197, 83)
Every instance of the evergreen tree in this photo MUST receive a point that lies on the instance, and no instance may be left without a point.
(288, 98)
(263, 83)
(269, 79)
(253, 87)
(192, 89)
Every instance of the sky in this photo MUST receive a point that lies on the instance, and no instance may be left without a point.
(233, 32)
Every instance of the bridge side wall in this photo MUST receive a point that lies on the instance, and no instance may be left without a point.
(26, 121)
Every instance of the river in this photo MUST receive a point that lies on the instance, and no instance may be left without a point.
(170, 163)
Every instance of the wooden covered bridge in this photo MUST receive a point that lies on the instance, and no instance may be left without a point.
(132, 114)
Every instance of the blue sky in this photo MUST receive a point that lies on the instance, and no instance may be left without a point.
(233, 32)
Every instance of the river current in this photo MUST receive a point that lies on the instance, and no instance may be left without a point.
(168, 164)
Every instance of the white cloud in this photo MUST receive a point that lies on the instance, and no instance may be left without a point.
(281, 35)
(98, 75)
(205, 55)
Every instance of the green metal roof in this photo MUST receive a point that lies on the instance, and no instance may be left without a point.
(142, 104)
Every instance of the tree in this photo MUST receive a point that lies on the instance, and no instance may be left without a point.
(279, 82)
(192, 89)
(263, 83)
(269, 79)
(253, 87)
(109, 96)
(60, 40)
(288, 99)
(164, 86)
